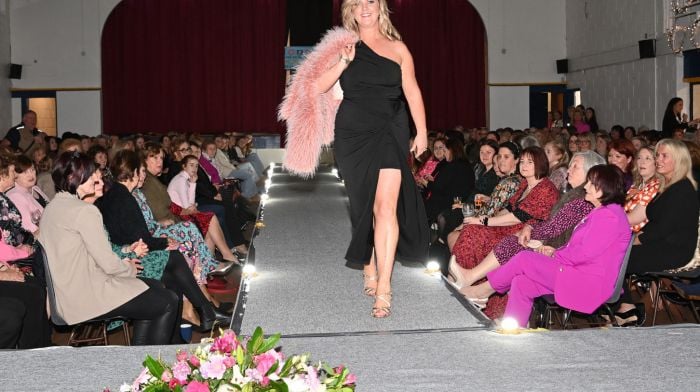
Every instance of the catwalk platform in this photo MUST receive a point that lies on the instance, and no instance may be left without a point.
(433, 341)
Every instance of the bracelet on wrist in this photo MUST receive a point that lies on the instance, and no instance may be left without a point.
(486, 221)
(346, 60)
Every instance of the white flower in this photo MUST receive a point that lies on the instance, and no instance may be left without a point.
(237, 377)
(125, 388)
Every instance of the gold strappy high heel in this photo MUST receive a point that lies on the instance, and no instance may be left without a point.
(369, 291)
(382, 311)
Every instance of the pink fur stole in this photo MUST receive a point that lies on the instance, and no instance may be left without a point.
(310, 116)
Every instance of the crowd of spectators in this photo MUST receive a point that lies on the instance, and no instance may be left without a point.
(532, 191)
(133, 227)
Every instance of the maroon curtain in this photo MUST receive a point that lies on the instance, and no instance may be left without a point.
(204, 66)
(447, 39)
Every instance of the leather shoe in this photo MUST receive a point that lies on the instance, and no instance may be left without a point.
(224, 308)
(224, 268)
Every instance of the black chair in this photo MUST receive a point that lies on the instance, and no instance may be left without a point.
(664, 283)
(547, 305)
(81, 333)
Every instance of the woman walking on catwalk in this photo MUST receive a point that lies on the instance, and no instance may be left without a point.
(371, 146)
(371, 138)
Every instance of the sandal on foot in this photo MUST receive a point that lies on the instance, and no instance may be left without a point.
(382, 311)
(480, 303)
(369, 291)
(454, 273)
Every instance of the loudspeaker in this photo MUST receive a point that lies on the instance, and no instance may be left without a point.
(647, 48)
(15, 71)
(562, 66)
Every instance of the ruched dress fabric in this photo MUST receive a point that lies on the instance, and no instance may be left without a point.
(372, 133)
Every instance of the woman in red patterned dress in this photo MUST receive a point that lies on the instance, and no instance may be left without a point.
(531, 203)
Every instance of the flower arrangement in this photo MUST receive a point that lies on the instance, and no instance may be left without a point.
(226, 364)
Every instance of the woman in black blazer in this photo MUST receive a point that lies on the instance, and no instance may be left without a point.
(670, 238)
(453, 177)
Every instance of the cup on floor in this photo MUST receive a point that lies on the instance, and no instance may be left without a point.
(186, 332)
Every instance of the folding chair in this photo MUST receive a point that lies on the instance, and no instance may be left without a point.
(547, 305)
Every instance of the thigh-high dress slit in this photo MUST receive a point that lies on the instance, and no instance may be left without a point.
(372, 133)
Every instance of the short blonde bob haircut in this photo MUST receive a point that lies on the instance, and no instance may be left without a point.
(681, 157)
(386, 28)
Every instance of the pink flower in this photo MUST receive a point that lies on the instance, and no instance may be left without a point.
(214, 367)
(196, 386)
(265, 361)
(225, 343)
(256, 376)
(173, 383)
(311, 380)
(350, 379)
(194, 361)
(229, 361)
(166, 376)
(181, 356)
(181, 370)
(141, 379)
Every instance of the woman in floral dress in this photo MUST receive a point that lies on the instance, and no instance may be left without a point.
(646, 186)
(186, 233)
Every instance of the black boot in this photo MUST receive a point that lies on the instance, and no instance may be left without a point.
(209, 317)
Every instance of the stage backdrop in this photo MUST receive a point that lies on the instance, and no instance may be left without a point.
(204, 66)
(447, 39)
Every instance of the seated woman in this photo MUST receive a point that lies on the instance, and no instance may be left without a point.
(532, 203)
(485, 175)
(243, 153)
(182, 190)
(556, 231)
(670, 237)
(507, 164)
(581, 274)
(125, 222)
(453, 177)
(621, 153)
(645, 187)
(486, 181)
(14, 234)
(210, 199)
(158, 202)
(428, 167)
(90, 280)
(558, 160)
(23, 320)
(26, 195)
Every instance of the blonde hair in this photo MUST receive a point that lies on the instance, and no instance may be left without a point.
(638, 180)
(559, 146)
(386, 28)
(681, 157)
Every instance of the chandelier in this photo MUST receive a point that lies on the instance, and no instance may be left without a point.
(682, 26)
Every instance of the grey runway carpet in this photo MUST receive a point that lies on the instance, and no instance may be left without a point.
(642, 359)
(304, 286)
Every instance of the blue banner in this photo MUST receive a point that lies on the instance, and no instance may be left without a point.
(294, 54)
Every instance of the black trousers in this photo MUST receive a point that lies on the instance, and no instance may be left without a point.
(156, 313)
(35, 329)
(228, 218)
(12, 313)
(447, 221)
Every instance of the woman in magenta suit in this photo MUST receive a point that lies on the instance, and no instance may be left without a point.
(582, 273)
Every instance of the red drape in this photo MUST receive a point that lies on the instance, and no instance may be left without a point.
(204, 66)
(447, 40)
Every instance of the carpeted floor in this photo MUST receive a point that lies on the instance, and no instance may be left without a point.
(643, 359)
(304, 286)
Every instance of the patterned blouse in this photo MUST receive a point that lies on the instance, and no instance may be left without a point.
(637, 197)
(558, 178)
(501, 195)
(11, 224)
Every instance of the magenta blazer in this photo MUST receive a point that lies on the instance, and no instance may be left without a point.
(590, 263)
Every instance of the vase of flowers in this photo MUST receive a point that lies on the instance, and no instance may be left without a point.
(227, 364)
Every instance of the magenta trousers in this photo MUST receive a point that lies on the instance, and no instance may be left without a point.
(525, 277)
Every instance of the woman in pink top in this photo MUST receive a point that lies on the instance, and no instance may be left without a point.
(580, 123)
(582, 273)
(27, 197)
(183, 186)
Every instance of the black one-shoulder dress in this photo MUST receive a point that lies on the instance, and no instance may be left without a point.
(371, 133)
